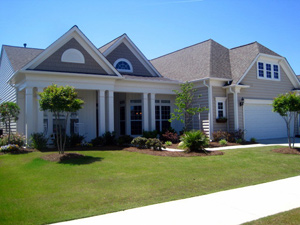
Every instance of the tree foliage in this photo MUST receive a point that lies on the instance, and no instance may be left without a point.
(184, 99)
(61, 101)
(288, 106)
(9, 112)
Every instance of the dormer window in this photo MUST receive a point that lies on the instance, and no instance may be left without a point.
(268, 71)
(123, 65)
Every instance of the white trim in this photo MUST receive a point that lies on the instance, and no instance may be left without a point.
(124, 60)
(265, 70)
(258, 101)
(223, 101)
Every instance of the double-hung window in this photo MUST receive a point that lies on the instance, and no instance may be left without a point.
(162, 114)
(268, 71)
(220, 107)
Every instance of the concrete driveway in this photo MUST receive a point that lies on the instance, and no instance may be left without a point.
(278, 141)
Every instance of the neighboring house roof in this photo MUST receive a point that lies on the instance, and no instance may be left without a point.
(209, 59)
(20, 56)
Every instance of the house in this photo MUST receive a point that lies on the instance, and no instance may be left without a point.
(238, 84)
(125, 92)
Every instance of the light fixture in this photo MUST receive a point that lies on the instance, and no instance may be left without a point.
(242, 102)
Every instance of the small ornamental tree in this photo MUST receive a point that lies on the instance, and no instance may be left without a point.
(61, 101)
(183, 101)
(288, 106)
(9, 112)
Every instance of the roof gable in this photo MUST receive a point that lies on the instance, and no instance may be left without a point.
(74, 38)
(123, 47)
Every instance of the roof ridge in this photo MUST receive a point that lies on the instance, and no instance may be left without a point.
(22, 47)
(241, 46)
(183, 49)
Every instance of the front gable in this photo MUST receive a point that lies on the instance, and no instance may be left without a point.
(72, 53)
(123, 49)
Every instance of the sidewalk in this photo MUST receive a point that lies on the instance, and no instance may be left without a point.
(227, 207)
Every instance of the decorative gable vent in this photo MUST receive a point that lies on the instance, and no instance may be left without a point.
(72, 55)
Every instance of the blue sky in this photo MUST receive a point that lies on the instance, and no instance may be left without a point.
(157, 27)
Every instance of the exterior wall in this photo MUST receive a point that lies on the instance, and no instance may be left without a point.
(53, 63)
(262, 89)
(197, 120)
(7, 92)
(218, 92)
(122, 51)
(230, 112)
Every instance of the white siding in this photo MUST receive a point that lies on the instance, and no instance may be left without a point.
(7, 92)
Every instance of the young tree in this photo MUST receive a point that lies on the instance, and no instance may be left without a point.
(288, 106)
(183, 101)
(9, 112)
(60, 101)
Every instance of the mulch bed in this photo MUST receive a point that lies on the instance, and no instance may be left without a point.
(56, 157)
(173, 154)
(287, 150)
(17, 152)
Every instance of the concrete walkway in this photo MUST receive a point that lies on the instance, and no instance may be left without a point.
(226, 207)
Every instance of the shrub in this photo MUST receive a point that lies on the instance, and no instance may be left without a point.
(75, 140)
(220, 135)
(181, 145)
(194, 140)
(98, 141)
(109, 138)
(239, 134)
(150, 134)
(125, 140)
(154, 143)
(170, 136)
(168, 143)
(253, 140)
(239, 141)
(38, 141)
(223, 142)
(9, 148)
(140, 142)
(15, 139)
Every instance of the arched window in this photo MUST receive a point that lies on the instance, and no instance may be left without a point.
(123, 65)
(72, 55)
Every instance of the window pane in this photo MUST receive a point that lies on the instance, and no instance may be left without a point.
(220, 114)
(275, 68)
(276, 76)
(268, 66)
(260, 66)
(123, 65)
(122, 127)
(269, 74)
(157, 112)
(122, 113)
(136, 112)
(165, 101)
(165, 112)
(261, 73)
(72, 125)
(220, 105)
(165, 125)
(136, 127)
(157, 125)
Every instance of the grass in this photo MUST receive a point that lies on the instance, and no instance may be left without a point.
(291, 217)
(35, 191)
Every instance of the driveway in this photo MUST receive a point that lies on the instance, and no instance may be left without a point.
(278, 141)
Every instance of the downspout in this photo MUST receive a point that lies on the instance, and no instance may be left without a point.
(210, 108)
(235, 108)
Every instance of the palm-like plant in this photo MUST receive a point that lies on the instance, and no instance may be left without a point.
(194, 140)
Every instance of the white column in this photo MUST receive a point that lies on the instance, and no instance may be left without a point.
(236, 110)
(111, 119)
(28, 113)
(40, 113)
(145, 112)
(101, 111)
(152, 111)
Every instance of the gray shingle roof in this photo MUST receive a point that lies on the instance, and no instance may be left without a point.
(20, 56)
(106, 46)
(209, 59)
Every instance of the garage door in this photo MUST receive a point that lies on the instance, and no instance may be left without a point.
(262, 123)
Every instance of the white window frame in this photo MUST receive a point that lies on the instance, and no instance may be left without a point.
(223, 101)
(122, 70)
(72, 55)
(265, 71)
(160, 103)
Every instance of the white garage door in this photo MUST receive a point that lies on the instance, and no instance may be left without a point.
(262, 123)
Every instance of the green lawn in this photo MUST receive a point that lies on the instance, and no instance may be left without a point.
(35, 191)
(291, 217)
